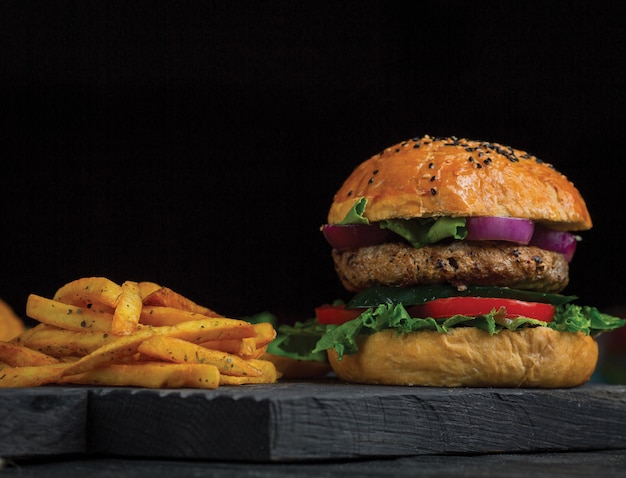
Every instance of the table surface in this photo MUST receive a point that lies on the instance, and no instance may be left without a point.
(317, 428)
(598, 464)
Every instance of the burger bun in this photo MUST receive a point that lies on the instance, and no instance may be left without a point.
(538, 357)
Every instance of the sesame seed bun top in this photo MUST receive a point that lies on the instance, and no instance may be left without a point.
(436, 177)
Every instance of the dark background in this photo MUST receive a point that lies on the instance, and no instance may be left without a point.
(198, 144)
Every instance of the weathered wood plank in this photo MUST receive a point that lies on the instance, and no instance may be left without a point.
(303, 421)
(298, 421)
(598, 464)
(42, 421)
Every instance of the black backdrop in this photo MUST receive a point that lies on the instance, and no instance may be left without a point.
(198, 144)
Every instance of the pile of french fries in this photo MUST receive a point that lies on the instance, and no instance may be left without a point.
(97, 332)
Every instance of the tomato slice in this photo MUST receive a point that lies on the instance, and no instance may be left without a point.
(472, 306)
(448, 307)
(335, 314)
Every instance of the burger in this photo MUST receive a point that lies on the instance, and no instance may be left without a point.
(455, 253)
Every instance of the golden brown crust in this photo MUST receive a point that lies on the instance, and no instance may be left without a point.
(429, 177)
(469, 357)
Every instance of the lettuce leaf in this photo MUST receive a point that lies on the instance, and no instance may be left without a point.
(577, 318)
(355, 215)
(295, 341)
(568, 318)
(419, 232)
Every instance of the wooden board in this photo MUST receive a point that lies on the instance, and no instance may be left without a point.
(296, 421)
(582, 464)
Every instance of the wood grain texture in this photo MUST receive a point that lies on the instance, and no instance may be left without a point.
(42, 421)
(330, 420)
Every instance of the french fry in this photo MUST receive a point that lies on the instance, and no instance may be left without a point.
(137, 334)
(245, 348)
(168, 298)
(89, 290)
(20, 339)
(121, 348)
(127, 310)
(64, 343)
(150, 375)
(146, 288)
(165, 315)
(180, 351)
(69, 317)
(31, 376)
(269, 374)
(202, 330)
(265, 333)
(11, 325)
(19, 356)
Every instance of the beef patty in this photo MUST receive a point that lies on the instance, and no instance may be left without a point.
(457, 263)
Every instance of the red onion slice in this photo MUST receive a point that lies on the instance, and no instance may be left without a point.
(557, 241)
(342, 237)
(511, 229)
(521, 231)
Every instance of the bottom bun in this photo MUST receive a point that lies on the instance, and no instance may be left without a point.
(537, 357)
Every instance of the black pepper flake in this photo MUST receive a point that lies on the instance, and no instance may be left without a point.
(487, 161)
(433, 191)
(371, 181)
(537, 259)
(433, 178)
(375, 171)
(431, 165)
(416, 145)
(470, 159)
(349, 193)
(479, 166)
